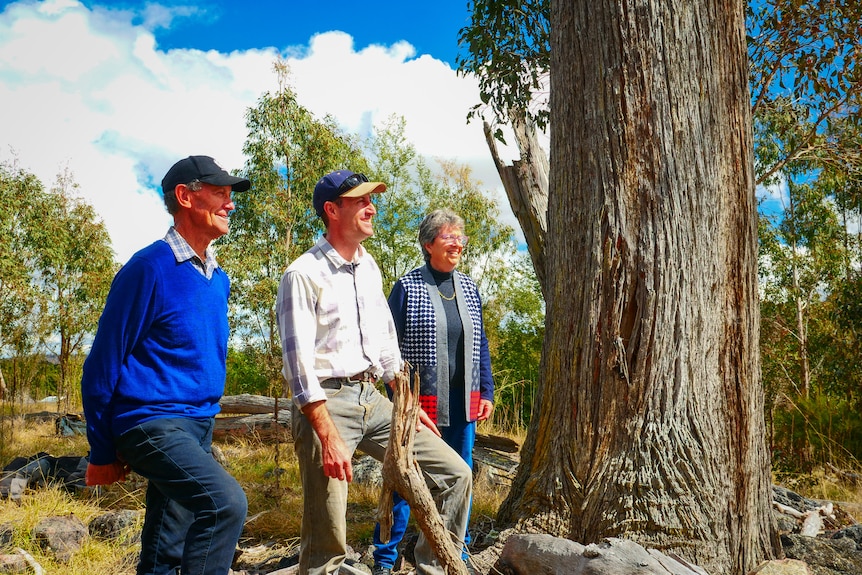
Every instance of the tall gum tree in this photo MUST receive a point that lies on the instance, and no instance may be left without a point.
(650, 421)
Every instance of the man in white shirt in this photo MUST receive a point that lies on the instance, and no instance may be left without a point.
(338, 338)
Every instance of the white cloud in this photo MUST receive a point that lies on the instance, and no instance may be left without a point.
(91, 90)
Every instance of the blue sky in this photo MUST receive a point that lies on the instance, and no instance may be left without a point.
(430, 27)
(115, 92)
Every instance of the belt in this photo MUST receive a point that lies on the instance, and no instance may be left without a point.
(361, 377)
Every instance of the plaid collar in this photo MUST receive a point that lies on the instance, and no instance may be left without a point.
(184, 252)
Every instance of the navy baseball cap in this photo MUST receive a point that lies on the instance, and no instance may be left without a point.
(203, 169)
(343, 184)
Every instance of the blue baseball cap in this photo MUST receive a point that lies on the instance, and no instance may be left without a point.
(343, 184)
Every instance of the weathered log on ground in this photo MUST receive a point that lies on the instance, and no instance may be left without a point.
(506, 463)
(844, 475)
(497, 443)
(401, 473)
(261, 425)
(490, 450)
(540, 554)
(247, 403)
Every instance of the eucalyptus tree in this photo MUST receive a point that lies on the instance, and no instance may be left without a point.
(803, 74)
(287, 150)
(491, 240)
(73, 266)
(19, 325)
(806, 85)
(806, 91)
(413, 189)
(650, 418)
(395, 161)
(804, 258)
(808, 268)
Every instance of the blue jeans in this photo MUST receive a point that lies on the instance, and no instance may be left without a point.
(363, 417)
(460, 436)
(195, 509)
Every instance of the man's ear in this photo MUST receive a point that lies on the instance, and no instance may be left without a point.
(183, 194)
(330, 209)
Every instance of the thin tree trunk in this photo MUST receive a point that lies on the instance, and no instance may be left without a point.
(650, 423)
(801, 331)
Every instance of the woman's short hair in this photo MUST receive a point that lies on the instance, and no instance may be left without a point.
(431, 225)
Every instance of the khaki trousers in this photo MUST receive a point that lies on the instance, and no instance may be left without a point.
(363, 417)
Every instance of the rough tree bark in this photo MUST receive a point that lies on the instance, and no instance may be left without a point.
(650, 423)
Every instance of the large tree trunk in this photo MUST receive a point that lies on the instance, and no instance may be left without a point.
(650, 422)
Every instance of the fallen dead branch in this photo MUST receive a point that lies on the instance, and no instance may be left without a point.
(401, 473)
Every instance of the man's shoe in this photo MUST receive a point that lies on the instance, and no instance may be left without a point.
(381, 570)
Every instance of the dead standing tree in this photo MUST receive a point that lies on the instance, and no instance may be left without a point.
(401, 473)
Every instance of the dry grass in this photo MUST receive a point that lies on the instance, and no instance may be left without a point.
(269, 474)
(825, 485)
(267, 470)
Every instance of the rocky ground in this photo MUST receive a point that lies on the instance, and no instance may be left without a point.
(818, 537)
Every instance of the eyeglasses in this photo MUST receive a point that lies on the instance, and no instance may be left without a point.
(351, 182)
(454, 239)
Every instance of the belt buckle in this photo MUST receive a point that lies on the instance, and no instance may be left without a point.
(362, 377)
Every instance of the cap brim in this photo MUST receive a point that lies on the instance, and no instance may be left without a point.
(236, 184)
(365, 188)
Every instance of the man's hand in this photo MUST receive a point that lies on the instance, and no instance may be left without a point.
(107, 474)
(486, 408)
(425, 420)
(336, 459)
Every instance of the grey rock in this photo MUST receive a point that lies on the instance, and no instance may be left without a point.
(852, 533)
(116, 525)
(786, 497)
(7, 534)
(823, 556)
(368, 471)
(61, 535)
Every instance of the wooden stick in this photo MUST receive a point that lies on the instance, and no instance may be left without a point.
(37, 569)
(401, 473)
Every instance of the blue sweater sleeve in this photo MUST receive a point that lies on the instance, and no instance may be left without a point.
(127, 315)
(486, 378)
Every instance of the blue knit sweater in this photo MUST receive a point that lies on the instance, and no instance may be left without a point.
(160, 348)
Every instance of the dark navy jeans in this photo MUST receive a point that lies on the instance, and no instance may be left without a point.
(195, 509)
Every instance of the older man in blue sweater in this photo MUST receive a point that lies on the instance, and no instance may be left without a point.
(154, 376)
